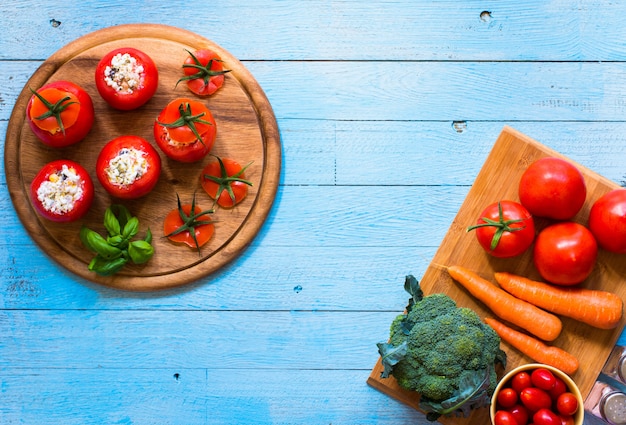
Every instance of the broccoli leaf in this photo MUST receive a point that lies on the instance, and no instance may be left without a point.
(412, 286)
(473, 393)
(391, 355)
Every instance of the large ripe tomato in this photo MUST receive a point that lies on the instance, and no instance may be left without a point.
(607, 221)
(224, 180)
(505, 229)
(565, 253)
(185, 130)
(126, 78)
(62, 191)
(128, 167)
(204, 72)
(60, 113)
(553, 188)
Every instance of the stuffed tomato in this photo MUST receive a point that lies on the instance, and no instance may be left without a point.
(126, 78)
(128, 167)
(60, 113)
(62, 191)
(185, 130)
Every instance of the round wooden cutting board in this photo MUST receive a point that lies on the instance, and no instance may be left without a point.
(246, 132)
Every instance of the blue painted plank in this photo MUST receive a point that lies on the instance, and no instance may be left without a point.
(189, 396)
(558, 30)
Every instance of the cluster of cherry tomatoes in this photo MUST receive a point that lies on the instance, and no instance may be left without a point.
(61, 114)
(535, 397)
(565, 251)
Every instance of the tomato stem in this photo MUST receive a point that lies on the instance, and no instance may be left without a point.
(224, 180)
(501, 225)
(190, 222)
(204, 72)
(187, 119)
(54, 109)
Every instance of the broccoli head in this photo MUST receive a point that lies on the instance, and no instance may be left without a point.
(443, 352)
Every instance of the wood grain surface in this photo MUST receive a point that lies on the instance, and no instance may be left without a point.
(498, 180)
(387, 111)
(246, 132)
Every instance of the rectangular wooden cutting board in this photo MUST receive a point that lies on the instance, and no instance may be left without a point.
(498, 180)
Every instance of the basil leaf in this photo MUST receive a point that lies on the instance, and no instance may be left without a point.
(105, 267)
(148, 237)
(98, 244)
(111, 223)
(117, 241)
(122, 214)
(131, 228)
(140, 251)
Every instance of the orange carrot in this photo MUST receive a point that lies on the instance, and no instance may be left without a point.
(535, 349)
(600, 309)
(504, 305)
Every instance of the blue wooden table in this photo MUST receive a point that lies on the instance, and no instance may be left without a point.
(387, 110)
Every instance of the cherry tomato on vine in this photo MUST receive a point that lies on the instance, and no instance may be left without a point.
(189, 225)
(553, 188)
(224, 180)
(565, 253)
(60, 113)
(204, 72)
(607, 221)
(126, 78)
(128, 167)
(62, 191)
(185, 130)
(505, 229)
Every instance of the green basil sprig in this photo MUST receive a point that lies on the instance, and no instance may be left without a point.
(117, 248)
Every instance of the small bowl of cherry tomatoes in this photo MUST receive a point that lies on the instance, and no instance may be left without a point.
(536, 394)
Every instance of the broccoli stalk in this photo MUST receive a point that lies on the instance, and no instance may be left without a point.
(443, 352)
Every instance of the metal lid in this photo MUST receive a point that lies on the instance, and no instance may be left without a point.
(613, 408)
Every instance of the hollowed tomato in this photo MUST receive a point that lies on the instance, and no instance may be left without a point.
(60, 113)
(62, 191)
(185, 130)
(126, 78)
(128, 167)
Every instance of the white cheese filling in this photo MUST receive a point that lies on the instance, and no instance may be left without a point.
(124, 74)
(60, 192)
(127, 167)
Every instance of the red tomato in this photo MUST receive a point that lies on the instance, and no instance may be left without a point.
(535, 398)
(62, 191)
(507, 398)
(204, 72)
(543, 378)
(185, 130)
(559, 388)
(60, 114)
(546, 416)
(502, 417)
(192, 229)
(126, 78)
(552, 187)
(224, 181)
(565, 253)
(567, 404)
(520, 381)
(607, 221)
(505, 229)
(520, 413)
(128, 167)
